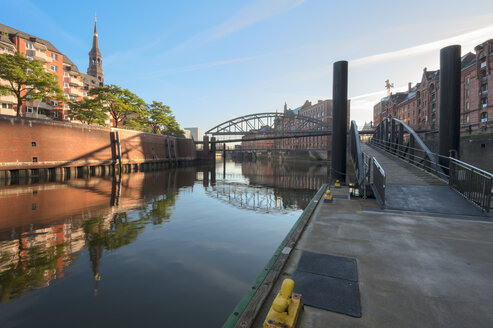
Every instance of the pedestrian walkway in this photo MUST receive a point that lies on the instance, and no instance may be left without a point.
(409, 188)
(414, 269)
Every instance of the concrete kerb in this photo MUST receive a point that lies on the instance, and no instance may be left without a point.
(291, 238)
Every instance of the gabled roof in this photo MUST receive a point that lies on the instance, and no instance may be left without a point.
(67, 61)
(13, 31)
(6, 40)
(430, 75)
(467, 60)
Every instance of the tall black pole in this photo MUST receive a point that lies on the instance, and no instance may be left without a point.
(449, 121)
(339, 121)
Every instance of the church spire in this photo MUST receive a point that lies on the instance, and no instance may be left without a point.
(95, 58)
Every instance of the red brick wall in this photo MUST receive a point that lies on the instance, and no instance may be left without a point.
(65, 144)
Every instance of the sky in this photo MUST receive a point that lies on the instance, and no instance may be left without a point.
(215, 60)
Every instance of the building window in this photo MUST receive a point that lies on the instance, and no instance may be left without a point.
(468, 80)
(55, 114)
(467, 119)
(29, 45)
(54, 56)
(65, 84)
(467, 105)
(467, 93)
(29, 109)
(54, 68)
(54, 103)
(484, 117)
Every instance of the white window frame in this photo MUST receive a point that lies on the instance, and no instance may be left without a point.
(55, 114)
(54, 103)
(65, 85)
(54, 68)
(54, 56)
(29, 45)
(29, 109)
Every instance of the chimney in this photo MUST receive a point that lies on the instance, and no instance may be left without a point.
(409, 86)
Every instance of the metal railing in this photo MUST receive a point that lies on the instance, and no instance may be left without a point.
(356, 154)
(473, 183)
(378, 181)
(396, 137)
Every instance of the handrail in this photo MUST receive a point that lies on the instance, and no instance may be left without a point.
(389, 135)
(356, 154)
(378, 182)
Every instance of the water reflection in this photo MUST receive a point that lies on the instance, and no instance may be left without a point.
(46, 229)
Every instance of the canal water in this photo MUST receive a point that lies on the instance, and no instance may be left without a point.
(172, 248)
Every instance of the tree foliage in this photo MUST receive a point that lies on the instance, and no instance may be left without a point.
(27, 79)
(121, 104)
(162, 120)
(88, 110)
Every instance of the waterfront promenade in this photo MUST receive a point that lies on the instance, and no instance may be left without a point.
(414, 269)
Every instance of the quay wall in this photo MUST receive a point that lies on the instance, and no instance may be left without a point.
(27, 143)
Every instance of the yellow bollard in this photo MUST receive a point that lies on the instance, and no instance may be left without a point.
(328, 197)
(337, 184)
(285, 308)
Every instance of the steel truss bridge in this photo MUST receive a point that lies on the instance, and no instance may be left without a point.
(268, 126)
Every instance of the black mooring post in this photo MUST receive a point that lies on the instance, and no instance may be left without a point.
(449, 121)
(339, 121)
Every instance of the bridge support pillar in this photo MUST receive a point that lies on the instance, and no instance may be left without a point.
(205, 148)
(339, 121)
(449, 121)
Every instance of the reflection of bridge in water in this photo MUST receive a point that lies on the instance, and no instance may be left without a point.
(249, 197)
(267, 188)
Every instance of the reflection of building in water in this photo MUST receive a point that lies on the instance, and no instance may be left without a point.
(286, 175)
(271, 187)
(38, 242)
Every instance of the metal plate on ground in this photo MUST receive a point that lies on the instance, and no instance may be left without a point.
(328, 282)
(435, 199)
(329, 265)
(333, 294)
(340, 196)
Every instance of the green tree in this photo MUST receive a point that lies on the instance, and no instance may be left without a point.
(162, 120)
(88, 110)
(122, 104)
(27, 79)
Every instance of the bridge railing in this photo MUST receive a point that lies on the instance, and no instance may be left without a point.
(378, 181)
(356, 154)
(471, 182)
(396, 137)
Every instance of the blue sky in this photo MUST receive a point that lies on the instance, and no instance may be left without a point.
(214, 60)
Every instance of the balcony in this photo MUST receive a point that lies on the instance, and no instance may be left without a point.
(39, 55)
(75, 82)
(75, 92)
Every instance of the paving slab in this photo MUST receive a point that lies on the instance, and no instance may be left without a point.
(414, 269)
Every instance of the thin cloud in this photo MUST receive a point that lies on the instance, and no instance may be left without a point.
(249, 15)
(196, 67)
(471, 38)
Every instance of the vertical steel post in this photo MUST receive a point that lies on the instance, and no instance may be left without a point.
(339, 120)
(449, 121)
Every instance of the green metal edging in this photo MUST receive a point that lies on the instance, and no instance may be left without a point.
(240, 307)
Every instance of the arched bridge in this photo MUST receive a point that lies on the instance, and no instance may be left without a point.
(403, 174)
(271, 125)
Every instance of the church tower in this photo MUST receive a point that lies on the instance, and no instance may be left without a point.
(95, 58)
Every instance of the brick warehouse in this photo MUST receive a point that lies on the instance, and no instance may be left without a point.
(418, 106)
(74, 83)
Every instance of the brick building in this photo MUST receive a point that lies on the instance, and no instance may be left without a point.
(322, 111)
(74, 84)
(418, 106)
